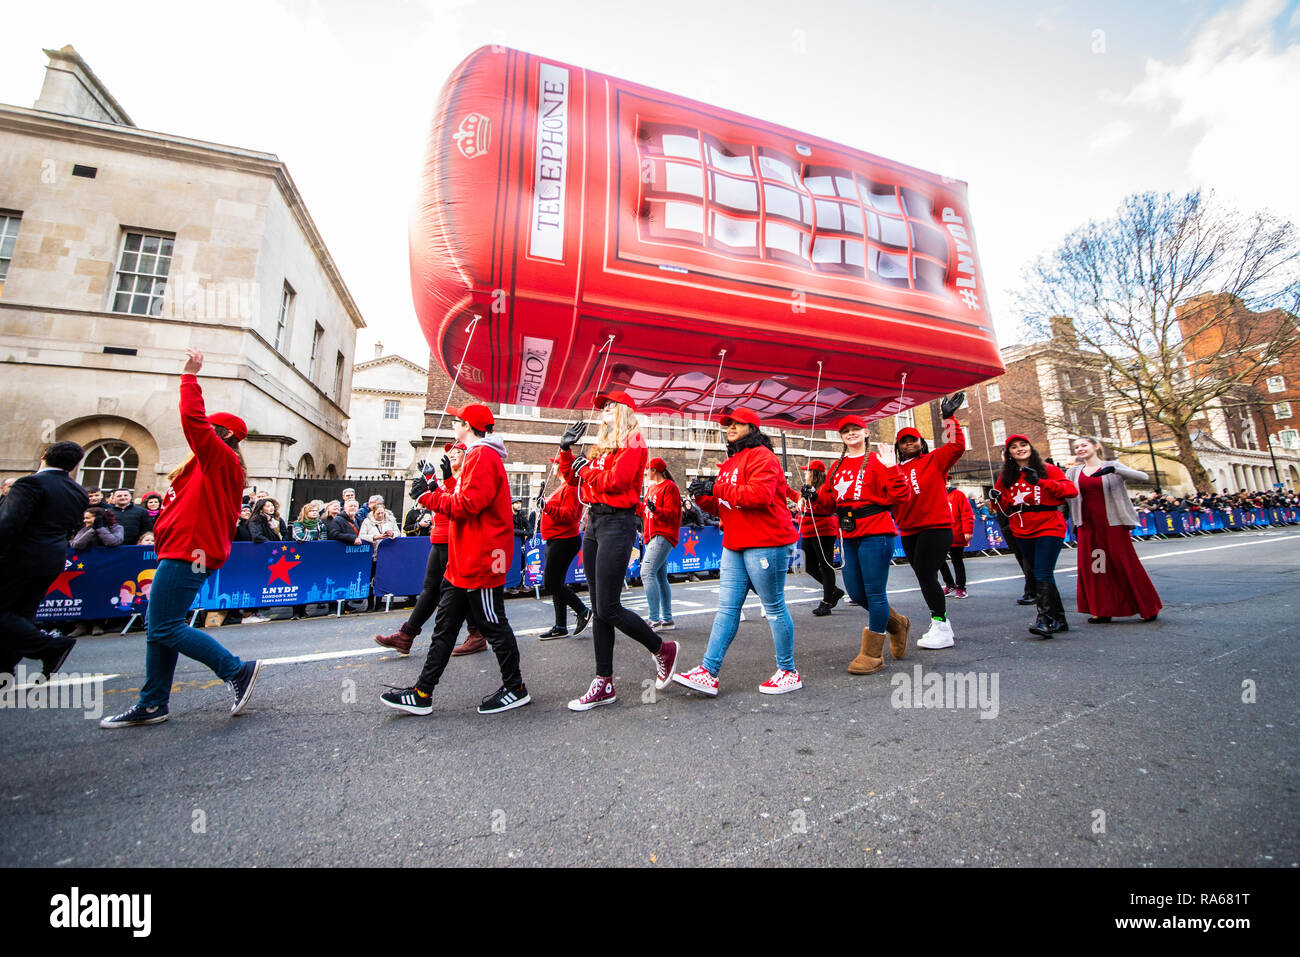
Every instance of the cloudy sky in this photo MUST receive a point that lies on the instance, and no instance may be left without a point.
(1052, 111)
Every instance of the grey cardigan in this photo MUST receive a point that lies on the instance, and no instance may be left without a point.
(1119, 508)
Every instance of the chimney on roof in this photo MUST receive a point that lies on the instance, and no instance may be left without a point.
(1063, 333)
(72, 89)
(379, 350)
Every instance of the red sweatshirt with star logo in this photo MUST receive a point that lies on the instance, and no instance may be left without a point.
(749, 500)
(666, 519)
(1052, 489)
(921, 485)
(613, 478)
(851, 484)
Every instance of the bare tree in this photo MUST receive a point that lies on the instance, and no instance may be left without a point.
(1161, 295)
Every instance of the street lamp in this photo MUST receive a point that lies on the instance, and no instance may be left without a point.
(1146, 425)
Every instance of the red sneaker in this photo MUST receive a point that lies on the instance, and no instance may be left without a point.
(781, 682)
(699, 679)
(961, 593)
(600, 692)
(664, 662)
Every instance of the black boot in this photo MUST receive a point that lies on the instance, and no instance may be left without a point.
(1042, 626)
(1059, 623)
(1030, 596)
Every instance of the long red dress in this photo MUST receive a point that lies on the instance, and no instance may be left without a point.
(1123, 588)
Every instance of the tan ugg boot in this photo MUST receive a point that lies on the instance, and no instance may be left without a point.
(871, 659)
(899, 628)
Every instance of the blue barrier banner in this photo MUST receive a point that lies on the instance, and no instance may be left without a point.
(1146, 526)
(533, 557)
(1232, 518)
(979, 537)
(289, 573)
(101, 583)
(699, 549)
(1212, 521)
(400, 564)
(994, 533)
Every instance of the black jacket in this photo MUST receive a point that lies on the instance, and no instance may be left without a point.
(135, 521)
(38, 516)
(260, 527)
(340, 529)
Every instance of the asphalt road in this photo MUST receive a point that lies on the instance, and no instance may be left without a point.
(1165, 744)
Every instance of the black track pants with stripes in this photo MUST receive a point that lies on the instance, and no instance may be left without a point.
(484, 608)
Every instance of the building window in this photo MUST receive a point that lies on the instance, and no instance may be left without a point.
(282, 320)
(520, 486)
(519, 411)
(142, 273)
(317, 335)
(8, 236)
(387, 455)
(338, 377)
(1290, 439)
(1276, 384)
(392, 409)
(993, 392)
(999, 432)
(904, 420)
(109, 465)
(1282, 410)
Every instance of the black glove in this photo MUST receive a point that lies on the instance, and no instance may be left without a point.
(809, 493)
(445, 467)
(1029, 475)
(425, 468)
(700, 487)
(419, 485)
(579, 464)
(1105, 470)
(995, 495)
(572, 434)
(650, 507)
(951, 404)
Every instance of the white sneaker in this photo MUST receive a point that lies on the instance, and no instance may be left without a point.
(665, 626)
(939, 635)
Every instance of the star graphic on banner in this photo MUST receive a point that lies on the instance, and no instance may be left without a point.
(841, 487)
(280, 570)
(689, 544)
(64, 582)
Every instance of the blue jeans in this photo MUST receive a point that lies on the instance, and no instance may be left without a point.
(866, 576)
(1040, 554)
(175, 584)
(762, 569)
(654, 572)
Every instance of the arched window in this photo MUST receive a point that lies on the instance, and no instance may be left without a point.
(109, 464)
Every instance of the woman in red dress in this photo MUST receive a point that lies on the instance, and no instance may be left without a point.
(1112, 581)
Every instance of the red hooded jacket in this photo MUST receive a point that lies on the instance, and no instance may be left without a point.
(851, 485)
(613, 478)
(748, 496)
(666, 519)
(481, 542)
(1053, 489)
(201, 509)
(920, 486)
(963, 517)
(562, 513)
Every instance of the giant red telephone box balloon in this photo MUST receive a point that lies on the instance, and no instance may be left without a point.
(562, 207)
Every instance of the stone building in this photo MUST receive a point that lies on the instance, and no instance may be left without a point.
(387, 416)
(120, 248)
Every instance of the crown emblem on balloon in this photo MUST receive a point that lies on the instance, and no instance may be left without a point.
(473, 136)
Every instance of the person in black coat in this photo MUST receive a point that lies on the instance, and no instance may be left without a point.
(37, 517)
(135, 521)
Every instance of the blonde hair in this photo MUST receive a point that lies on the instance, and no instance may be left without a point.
(302, 514)
(611, 439)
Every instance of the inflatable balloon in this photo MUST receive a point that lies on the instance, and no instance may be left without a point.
(575, 232)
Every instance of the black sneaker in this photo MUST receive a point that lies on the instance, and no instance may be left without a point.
(503, 699)
(835, 598)
(583, 618)
(241, 686)
(822, 609)
(406, 699)
(60, 648)
(556, 632)
(137, 715)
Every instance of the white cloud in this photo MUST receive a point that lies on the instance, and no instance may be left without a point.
(1110, 137)
(1240, 91)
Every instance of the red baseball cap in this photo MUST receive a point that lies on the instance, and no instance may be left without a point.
(908, 433)
(1015, 438)
(849, 420)
(454, 445)
(234, 423)
(476, 416)
(659, 465)
(740, 415)
(816, 465)
(614, 395)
